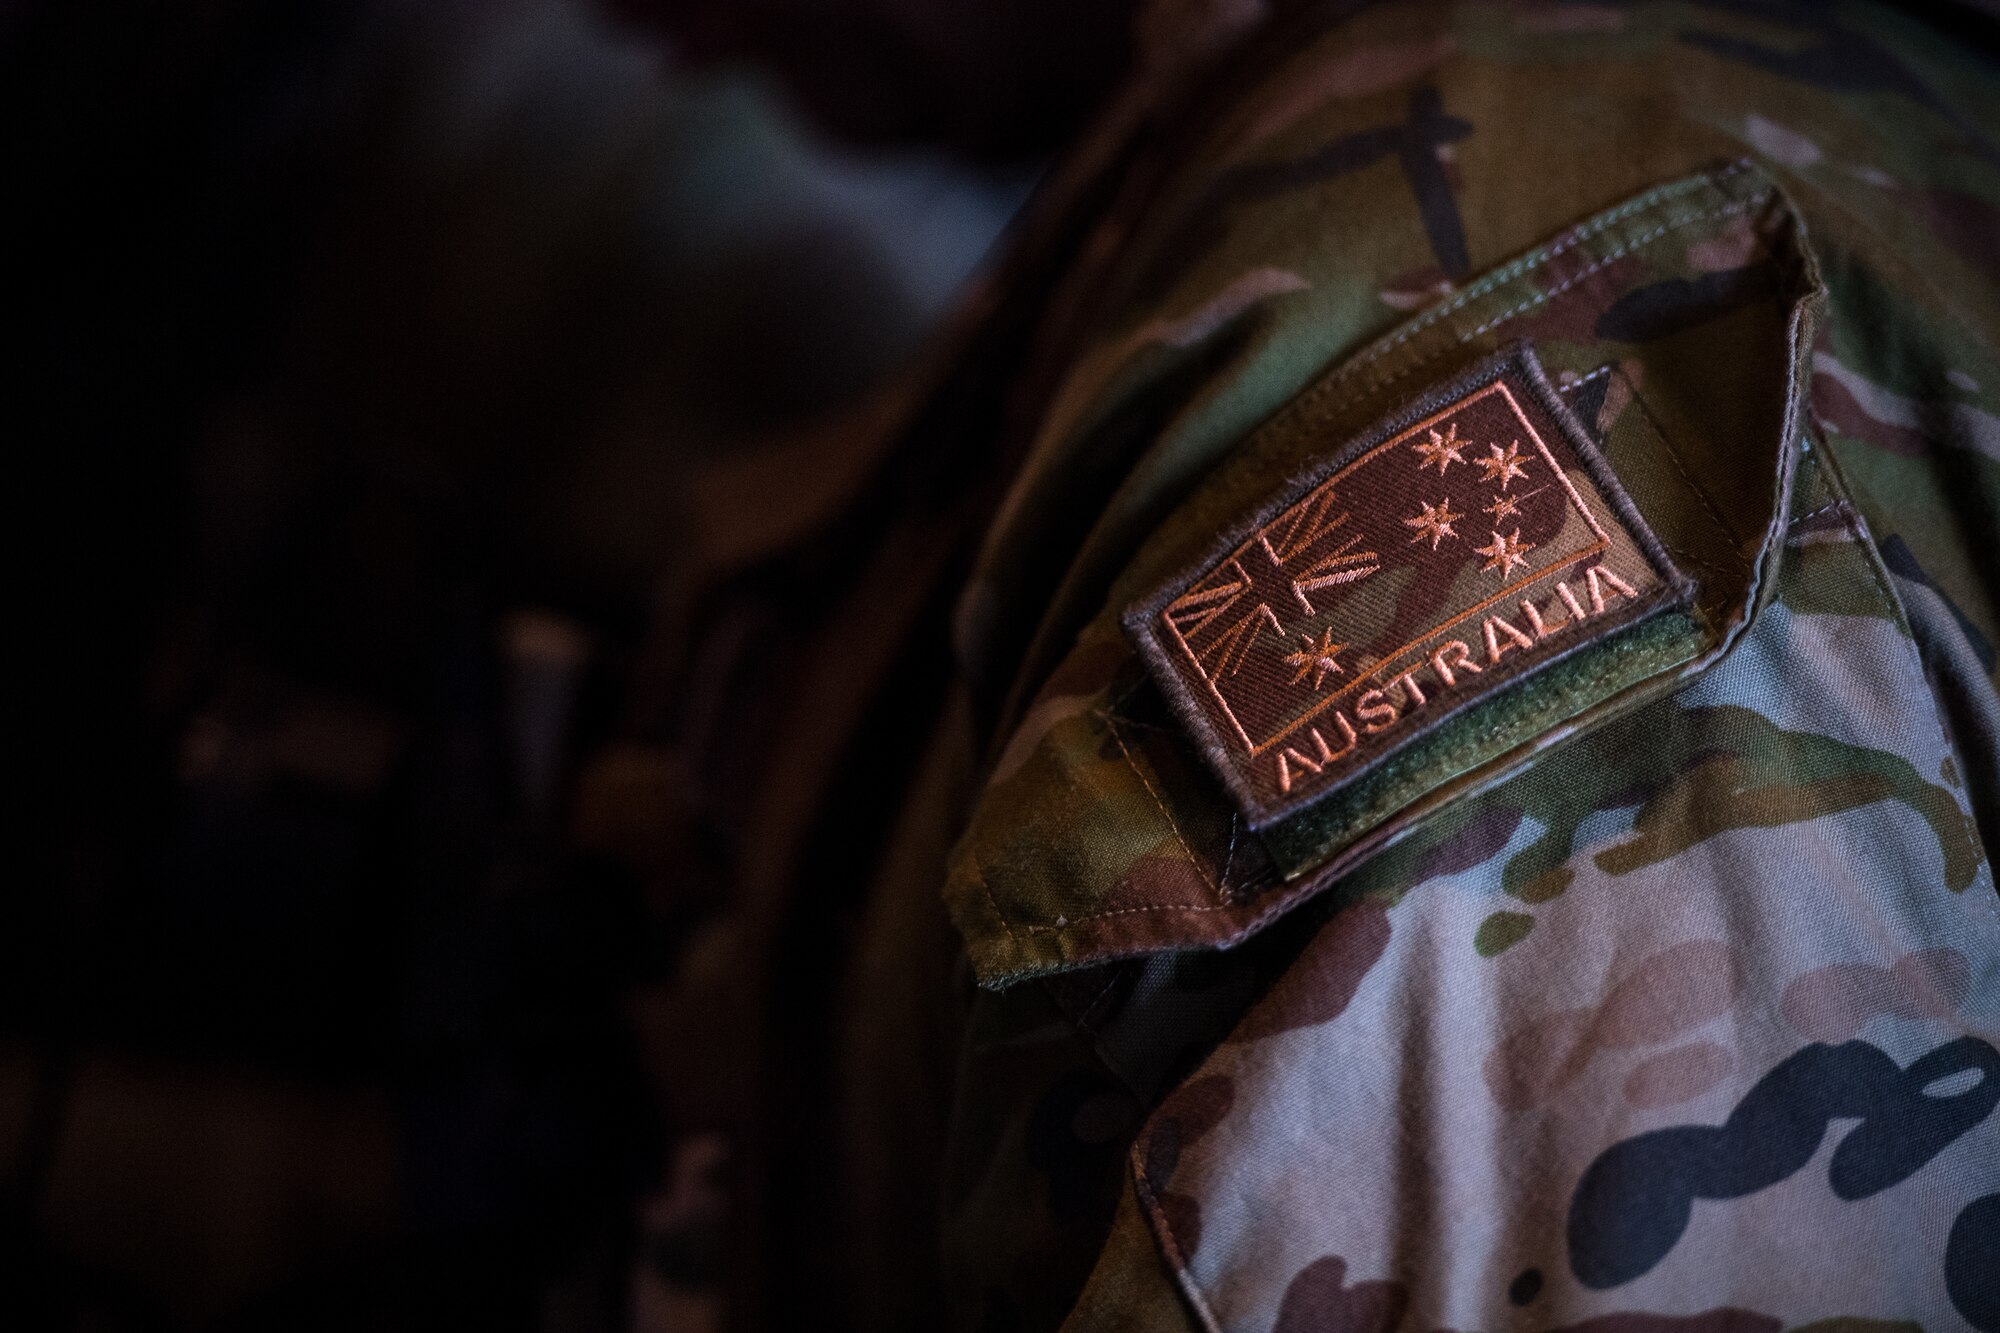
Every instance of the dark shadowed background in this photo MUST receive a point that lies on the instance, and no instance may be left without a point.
(388, 379)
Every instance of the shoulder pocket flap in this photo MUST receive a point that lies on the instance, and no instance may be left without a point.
(1667, 339)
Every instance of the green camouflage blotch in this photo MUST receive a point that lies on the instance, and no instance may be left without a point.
(1757, 788)
(1912, 302)
(1833, 579)
(1544, 887)
(1701, 771)
(1501, 932)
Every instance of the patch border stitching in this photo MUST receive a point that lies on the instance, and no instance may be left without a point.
(1602, 544)
(1140, 618)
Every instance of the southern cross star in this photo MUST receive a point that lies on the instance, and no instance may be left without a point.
(1503, 466)
(1440, 449)
(1434, 522)
(1509, 506)
(1316, 659)
(1505, 553)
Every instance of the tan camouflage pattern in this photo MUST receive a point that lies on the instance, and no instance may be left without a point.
(1681, 1014)
(1641, 1103)
(1032, 894)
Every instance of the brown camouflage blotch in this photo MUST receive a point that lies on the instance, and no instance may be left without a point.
(1547, 886)
(1969, 225)
(1531, 1058)
(1709, 799)
(1572, 316)
(1838, 410)
(1735, 247)
(1726, 1319)
(1679, 1075)
(1318, 1300)
(1154, 880)
(1835, 1002)
(1182, 1119)
(1484, 837)
(1674, 991)
(1318, 987)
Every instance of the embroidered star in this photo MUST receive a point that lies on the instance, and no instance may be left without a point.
(1503, 467)
(1509, 506)
(1505, 553)
(1440, 449)
(1316, 659)
(1435, 522)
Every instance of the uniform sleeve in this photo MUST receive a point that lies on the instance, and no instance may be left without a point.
(1677, 1009)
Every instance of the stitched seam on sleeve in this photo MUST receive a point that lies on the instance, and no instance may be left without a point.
(1164, 1233)
(1491, 283)
(1543, 298)
(993, 902)
(1521, 267)
(1871, 556)
(1086, 1021)
(1527, 264)
(1579, 382)
(1201, 867)
(1803, 519)
(1729, 537)
(1129, 911)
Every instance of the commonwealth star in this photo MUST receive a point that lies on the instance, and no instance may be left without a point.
(1434, 522)
(1502, 467)
(1317, 660)
(1505, 553)
(1444, 450)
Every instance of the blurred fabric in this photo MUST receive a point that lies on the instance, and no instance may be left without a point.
(392, 379)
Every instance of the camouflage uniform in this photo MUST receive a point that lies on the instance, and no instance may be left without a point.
(1662, 991)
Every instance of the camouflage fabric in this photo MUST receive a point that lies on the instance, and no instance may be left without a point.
(1757, 938)
(1669, 1005)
